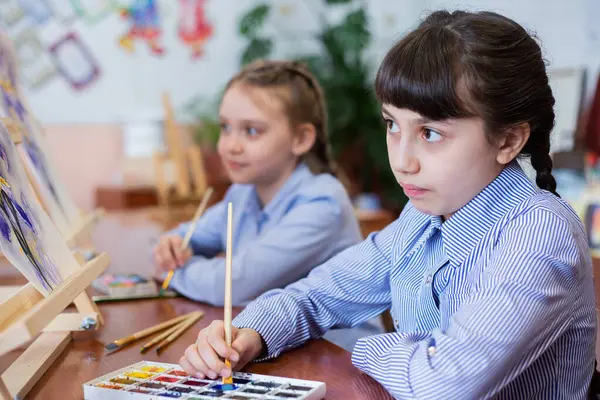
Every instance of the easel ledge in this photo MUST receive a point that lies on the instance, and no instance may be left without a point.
(27, 313)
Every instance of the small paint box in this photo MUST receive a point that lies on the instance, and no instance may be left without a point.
(153, 381)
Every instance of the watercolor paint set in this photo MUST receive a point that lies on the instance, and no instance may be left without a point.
(151, 380)
(125, 285)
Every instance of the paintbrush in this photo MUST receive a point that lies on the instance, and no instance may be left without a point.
(180, 329)
(227, 305)
(188, 234)
(166, 333)
(120, 343)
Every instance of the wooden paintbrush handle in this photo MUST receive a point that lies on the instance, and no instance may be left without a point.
(151, 330)
(228, 273)
(165, 334)
(199, 212)
(182, 328)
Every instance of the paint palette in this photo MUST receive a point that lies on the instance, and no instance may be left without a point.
(150, 380)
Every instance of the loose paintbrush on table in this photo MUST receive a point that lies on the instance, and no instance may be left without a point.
(174, 324)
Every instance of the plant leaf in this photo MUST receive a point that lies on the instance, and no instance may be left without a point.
(253, 20)
(258, 48)
(353, 33)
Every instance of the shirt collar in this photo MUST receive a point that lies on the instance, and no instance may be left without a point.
(462, 232)
(290, 186)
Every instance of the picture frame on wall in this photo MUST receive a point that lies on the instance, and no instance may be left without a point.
(93, 11)
(36, 66)
(11, 13)
(39, 11)
(74, 61)
(63, 11)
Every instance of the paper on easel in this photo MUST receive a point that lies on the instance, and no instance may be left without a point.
(61, 207)
(28, 238)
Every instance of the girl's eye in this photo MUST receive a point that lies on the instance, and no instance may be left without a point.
(252, 132)
(431, 136)
(392, 127)
(225, 128)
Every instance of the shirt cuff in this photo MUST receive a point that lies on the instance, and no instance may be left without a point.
(275, 333)
(372, 353)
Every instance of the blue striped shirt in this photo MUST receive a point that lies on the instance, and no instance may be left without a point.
(497, 301)
(310, 219)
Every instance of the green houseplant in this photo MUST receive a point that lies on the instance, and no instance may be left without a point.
(356, 128)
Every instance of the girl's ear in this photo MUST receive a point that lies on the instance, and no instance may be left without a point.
(304, 139)
(513, 142)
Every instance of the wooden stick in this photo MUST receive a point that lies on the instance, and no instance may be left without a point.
(227, 304)
(182, 328)
(24, 373)
(119, 343)
(199, 212)
(189, 233)
(166, 333)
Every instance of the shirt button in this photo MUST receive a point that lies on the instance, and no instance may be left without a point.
(431, 351)
(428, 279)
(396, 324)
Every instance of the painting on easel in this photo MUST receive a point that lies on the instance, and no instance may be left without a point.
(27, 237)
(60, 206)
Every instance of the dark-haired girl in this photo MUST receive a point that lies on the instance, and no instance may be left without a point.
(488, 276)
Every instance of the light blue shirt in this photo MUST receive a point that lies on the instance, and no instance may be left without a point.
(498, 301)
(310, 219)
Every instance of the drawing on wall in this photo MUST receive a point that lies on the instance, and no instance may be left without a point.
(74, 61)
(10, 12)
(22, 233)
(194, 29)
(35, 66)
(144, 20)
(63, 11)
(38, 10)
(93, 11)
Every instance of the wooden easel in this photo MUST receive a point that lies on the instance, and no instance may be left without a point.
(73, 225)
(190, 174)
(28, 313)
(35, 313)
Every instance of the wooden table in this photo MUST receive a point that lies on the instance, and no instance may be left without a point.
(85, 357)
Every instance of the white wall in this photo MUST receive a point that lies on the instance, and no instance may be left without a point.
(130, 84)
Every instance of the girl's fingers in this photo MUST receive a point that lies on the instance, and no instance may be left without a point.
(193, 357)
(189, 368)
(169, 261)
(221, 348)
(212, 360)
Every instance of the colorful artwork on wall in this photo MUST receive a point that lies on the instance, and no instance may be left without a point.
(193, 28)
(144, 26)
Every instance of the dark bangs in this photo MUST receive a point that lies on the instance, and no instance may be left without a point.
(423, 73)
